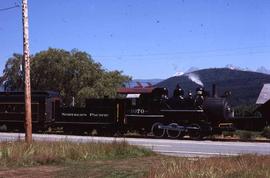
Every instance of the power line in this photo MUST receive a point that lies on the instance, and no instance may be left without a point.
(213, 52)
(8, 8)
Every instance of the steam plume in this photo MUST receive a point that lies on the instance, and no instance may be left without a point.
(195, 78)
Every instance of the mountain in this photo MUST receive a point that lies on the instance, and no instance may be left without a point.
(245, 86)
(192, 69)
(233, 67)
(263, 70)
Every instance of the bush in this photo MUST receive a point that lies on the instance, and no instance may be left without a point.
(245, 135)
(266, 132)
(228, 134)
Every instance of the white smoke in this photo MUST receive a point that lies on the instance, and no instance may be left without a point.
(195, 78)
(178, 74)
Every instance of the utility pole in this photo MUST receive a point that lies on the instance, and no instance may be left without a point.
(27, 85)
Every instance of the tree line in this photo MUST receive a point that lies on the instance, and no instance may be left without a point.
(72, 73)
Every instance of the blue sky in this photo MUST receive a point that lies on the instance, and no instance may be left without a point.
(145, 38)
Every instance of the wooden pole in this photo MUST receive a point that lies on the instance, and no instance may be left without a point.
(27, 86)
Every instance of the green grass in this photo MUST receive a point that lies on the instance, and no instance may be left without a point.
(45, 153)
(246, 135)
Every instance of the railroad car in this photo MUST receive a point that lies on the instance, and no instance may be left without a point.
(105, 116)
(45, 109)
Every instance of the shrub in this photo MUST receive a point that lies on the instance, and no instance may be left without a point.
(228, 134)
(266, 132)
(245, 135)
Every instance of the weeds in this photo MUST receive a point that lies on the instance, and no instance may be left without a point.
(123, 160)
(245, 135)
(240, 166)
(266, 132)
(41, 153)
(228, 134)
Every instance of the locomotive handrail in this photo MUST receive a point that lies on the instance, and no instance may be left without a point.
(145, 115)
(183, 110)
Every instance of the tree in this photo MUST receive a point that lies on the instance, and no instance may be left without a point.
(71, 73)
(13, 76)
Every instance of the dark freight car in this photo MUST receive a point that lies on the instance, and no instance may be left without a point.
(45, 108)
(106, 116)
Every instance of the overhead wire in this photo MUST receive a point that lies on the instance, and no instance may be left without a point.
(226, 52)
(11, 7)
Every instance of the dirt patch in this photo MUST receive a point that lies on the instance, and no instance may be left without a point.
(30, 172)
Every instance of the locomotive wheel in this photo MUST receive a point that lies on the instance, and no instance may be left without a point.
(196, 132)
(158, 132)
(173, 133)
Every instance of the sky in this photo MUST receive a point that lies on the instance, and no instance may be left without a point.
(145, 38)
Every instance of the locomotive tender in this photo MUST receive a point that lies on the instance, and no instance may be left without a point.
(147, 110)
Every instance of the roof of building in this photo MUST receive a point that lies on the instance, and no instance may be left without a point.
(264, 95)
(134, 90)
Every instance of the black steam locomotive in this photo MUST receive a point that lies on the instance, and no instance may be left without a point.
(151, 110)
(146, 110)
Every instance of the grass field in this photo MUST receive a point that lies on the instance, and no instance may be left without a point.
(14, 154)
(63, 159)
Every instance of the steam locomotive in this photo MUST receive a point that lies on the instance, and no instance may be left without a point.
(151, 110)
(146, 110)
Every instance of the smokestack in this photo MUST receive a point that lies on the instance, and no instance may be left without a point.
(214, 91)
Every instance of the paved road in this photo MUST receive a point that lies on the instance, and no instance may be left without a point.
(164, 146)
